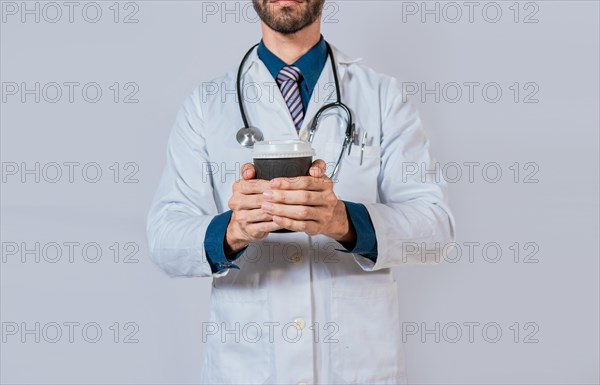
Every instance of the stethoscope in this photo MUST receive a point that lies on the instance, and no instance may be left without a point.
(248, 135)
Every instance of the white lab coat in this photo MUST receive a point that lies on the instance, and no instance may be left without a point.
(299, 311)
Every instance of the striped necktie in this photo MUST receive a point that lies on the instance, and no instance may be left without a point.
(289, 84)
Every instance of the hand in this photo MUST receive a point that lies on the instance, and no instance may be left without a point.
(308, 204)
(248, 221)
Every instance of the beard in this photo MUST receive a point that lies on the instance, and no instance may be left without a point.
(288, 20)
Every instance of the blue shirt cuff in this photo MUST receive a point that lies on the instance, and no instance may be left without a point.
(214, 244)
(366, 240)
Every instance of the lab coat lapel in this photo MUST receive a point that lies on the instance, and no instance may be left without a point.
(324, 92)
(329, 130)
(265, 106)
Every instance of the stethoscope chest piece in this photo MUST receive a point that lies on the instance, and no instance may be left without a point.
(247, 136)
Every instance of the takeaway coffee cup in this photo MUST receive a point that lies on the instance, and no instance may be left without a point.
(282, 159)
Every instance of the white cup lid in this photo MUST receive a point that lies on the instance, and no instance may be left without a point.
(274, 149)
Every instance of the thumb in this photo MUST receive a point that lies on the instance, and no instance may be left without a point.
(317, 169)
(248, 171)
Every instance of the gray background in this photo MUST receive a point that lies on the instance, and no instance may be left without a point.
(176, 45)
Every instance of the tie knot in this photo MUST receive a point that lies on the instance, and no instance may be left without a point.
(289, 73)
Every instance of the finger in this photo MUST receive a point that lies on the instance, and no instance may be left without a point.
(241, 202)
(248, 171)
(298, 212)
(310, 183)
(294, 197)
(309, 227)
(254, 186)
(317, 169)
(259, 231)
(253, 216)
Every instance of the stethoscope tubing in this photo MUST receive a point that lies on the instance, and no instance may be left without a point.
(349, 134)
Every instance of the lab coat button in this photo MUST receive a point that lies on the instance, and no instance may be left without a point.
(300, 323)
(297, 259)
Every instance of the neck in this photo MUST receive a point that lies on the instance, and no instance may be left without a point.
(290, 48)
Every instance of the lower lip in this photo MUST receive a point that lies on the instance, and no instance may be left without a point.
(286, 3)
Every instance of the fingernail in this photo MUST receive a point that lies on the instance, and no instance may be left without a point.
(275, 182)
(268, 194)
(267, 206)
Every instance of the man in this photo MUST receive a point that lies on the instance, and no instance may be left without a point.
(318, 304)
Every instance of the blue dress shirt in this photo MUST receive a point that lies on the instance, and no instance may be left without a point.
(311, 65)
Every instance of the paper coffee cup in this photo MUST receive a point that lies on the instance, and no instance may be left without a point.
(282, 159)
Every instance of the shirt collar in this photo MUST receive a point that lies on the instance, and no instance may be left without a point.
(310, 64)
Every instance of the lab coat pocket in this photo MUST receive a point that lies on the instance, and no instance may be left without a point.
(237, 348)
(355, 181)
(366, 350)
